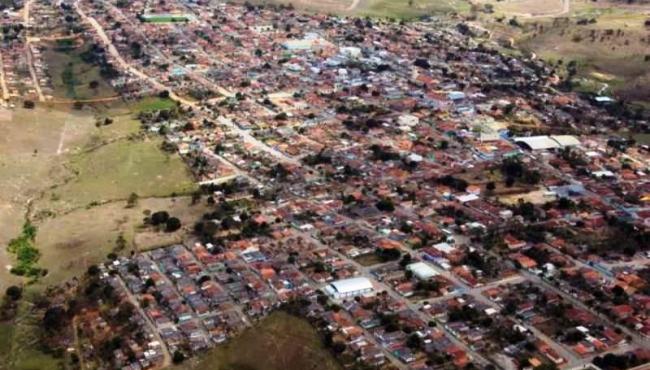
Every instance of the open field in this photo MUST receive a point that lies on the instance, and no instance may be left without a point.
(72, 242)
(153, 103)
(55, 163)
(278, 342)
(528, 8)
(116, 170)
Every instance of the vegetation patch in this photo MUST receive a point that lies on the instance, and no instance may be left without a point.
(76, 73)
(153, 104)
(165, 18)
(26, 253)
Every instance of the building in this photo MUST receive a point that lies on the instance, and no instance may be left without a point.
(421, 270)
(348, 288)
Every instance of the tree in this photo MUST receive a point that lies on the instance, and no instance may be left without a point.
(159, 217)
(28, 104)
(93, 84)
(93, 270)
(385, 205)
(54, 318)
(120, 242)
(14, 292)
(406, 260)
(413, 341)
(178, 357)
(173, 224)
(132, 200)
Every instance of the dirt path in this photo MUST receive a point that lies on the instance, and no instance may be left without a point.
(59, 148)
(566, 8)
(28, 52)
(353, 6)
(3, 83)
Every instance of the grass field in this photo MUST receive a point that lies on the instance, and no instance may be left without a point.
(279, 342)
(116, 170)
(72, 242)
(153, 103)
(410, 9)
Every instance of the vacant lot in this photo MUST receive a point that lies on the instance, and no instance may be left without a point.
(72, 242)
(71, 76)
(153, 103)
(528, 8)
(279, 342)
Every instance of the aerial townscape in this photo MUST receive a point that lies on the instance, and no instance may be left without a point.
(325, 185)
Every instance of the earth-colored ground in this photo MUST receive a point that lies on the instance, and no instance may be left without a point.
(278, 342)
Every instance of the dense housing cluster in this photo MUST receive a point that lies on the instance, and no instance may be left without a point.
(423, 198)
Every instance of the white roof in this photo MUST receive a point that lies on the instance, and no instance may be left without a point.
(351, 285)
(548, 142)
(467, 198)
(538, 142)
(421, 270)
(444, 247)
(566, 140)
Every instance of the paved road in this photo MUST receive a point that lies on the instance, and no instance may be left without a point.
(99, 30)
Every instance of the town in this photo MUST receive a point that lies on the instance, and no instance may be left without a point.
(423, 199)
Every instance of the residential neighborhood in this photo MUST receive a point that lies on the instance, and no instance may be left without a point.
(422, 198)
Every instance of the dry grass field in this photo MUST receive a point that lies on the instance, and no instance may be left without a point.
(72, 242)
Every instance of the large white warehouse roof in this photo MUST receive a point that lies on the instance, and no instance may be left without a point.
(547, 142)
(351, 285)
